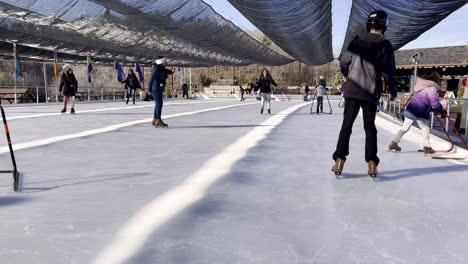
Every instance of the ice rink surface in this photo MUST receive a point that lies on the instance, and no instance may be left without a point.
(269, 195)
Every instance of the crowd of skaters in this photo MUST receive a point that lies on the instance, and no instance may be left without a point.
(368, 60)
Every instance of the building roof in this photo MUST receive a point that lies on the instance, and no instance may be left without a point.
(441, 56)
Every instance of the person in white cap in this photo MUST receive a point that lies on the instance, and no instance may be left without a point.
(157, 86)
(68, 87)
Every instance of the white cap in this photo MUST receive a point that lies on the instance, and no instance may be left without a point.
(321, 77)
(66, 67)
(161, 61)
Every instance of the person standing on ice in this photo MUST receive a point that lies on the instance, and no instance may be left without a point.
(425, 98)
(158, 85)
(265, 81)
(131, 84)
(320, 91)
(306, 93)
(68, 87)
(368, 57)
(242, 92)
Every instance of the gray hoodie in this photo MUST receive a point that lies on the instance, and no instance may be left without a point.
(368, 58)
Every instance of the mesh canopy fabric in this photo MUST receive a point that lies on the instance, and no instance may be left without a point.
(84, 28)
(407, 19)
(197, 22)
(301, 28)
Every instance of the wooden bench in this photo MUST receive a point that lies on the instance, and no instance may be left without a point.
(22, 95)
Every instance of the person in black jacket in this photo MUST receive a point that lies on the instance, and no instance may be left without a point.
(68, 87)
(306, 94)
(265, 81)
(185, 91)
(368, 57)
(131, 84)
(158, 85)
(242, 92)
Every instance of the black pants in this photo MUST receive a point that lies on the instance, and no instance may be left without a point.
(320, 104)
(351, 110)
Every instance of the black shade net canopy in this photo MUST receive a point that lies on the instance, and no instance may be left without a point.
(301, 28)
(191, 33)
(407, 19)
(83, 28)
(197, 22)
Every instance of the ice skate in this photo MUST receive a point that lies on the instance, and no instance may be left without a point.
(160, 124)
(154, 121)
(394, 146)
(428, 151)
(261, 111)
(64, 110)
(72, 111)
(269, 111)
(164, 124)
(372, 169)
(338, 167)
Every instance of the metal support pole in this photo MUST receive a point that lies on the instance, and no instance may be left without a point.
(56, 94)
(190, 89)
(16, 101)
(102, 94)
(37, 94)
(448, 114)
(114, 93)
(14, 55)
(299, 77)
(432, 120)
(45, 82)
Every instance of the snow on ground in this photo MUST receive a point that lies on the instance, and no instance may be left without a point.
(277, 203)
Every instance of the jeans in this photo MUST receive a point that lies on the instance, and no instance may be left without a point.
(320, 103)
(129, 94)
(265, 98)
(158, 101)
(351, 110)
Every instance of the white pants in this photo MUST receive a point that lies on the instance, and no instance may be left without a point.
(265, 98)
(422, 123)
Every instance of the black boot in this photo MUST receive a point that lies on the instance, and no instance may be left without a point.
(72, 111)
(64, 110)
(261, 111)
(269, 112)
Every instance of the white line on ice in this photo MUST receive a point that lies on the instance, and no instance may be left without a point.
(107, 109)
(136, 231)
(96, 131)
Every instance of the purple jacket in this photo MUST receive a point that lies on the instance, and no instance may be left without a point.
(426, 96)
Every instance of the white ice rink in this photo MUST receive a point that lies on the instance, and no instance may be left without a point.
(223, 184)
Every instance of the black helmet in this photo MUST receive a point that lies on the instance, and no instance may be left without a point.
(377, 18)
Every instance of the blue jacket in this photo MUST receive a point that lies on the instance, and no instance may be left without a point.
(159, 77)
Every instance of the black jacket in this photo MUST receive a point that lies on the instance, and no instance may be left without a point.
(265, 84)
(132, 82)
(368, 58)
(68, 84)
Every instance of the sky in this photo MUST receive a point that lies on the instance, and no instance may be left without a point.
(452, 31)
